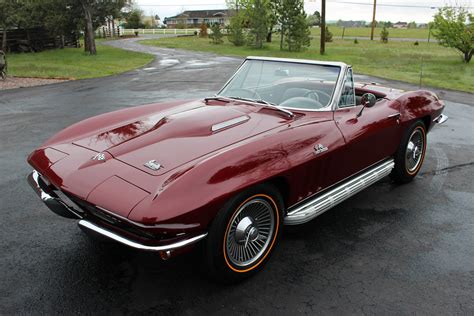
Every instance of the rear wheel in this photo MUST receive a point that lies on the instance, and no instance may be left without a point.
(244, 234)
(411, 153)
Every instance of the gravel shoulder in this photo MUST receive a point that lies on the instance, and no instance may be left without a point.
(17, 82)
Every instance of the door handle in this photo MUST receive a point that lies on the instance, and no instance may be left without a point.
(395, 115)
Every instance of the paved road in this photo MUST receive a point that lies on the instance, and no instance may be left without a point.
(377, 37)
(390, 249)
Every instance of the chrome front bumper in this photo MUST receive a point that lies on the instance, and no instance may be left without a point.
(51, 199)
(101, 231)
(59, 207)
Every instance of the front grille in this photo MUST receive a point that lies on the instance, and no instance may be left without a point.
(97, 214)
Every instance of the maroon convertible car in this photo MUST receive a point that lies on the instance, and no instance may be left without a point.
(282, 142)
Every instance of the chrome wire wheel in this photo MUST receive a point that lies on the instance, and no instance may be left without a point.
(415, 150)
(250, 233)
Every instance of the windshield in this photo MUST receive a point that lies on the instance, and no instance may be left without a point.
(287, 84)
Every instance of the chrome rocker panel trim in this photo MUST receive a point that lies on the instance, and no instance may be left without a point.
(86, 224)
(441, 119)
(323, 202)
(51, 199)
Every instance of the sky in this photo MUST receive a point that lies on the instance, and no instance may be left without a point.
(421, 11)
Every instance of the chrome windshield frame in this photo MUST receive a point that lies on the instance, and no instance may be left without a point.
(332, 105)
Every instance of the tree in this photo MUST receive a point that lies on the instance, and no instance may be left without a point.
(89, 36)
(384, 35)
(295, 34)
(134, 19)
(10, 16)
(453, 28)
(314, 19)
(61, 17)
(298, 35)
(216, 34)
(412, 25)
(257, 12)
(272, 18)
(236, 30)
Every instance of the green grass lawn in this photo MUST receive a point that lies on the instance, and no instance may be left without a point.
(365, 32)
(72, 63)
(443, 67)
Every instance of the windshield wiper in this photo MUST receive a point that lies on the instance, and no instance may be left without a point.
(217, 97)
(268, 104)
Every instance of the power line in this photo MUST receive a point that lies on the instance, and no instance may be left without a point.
(331, 2)
(390, 5)
(181, 5)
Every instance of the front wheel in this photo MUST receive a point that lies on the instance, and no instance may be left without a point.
(410, 154)
(244, 233)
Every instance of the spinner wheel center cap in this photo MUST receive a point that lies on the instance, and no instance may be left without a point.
(246, 231)
(253, 233)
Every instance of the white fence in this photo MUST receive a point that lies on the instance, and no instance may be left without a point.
(160, 31)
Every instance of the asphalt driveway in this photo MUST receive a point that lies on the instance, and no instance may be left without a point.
(388, 250)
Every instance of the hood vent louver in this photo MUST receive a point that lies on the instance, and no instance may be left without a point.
(226, 124)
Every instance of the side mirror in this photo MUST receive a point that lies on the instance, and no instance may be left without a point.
(368, 100)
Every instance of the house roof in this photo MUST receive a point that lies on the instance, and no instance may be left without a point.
(201, 14)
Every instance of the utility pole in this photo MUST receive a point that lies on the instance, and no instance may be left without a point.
(323, 27)
(373, 21)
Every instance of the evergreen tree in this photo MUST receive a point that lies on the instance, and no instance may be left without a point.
(295, 33)
(216, 35)
(236, 30)
(257, 12)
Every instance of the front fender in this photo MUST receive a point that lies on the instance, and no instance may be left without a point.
(195, 193)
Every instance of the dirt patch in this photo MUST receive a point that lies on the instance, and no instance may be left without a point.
(15, 82)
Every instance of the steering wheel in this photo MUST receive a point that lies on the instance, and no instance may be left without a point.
(246, 93)
(315, 95)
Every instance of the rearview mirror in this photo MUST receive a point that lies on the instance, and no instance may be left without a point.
(368, 100)
(282, 72)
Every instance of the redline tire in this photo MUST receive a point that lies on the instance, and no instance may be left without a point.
(410, 154)
(244, 234)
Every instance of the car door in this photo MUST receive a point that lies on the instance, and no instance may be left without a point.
(370, 137)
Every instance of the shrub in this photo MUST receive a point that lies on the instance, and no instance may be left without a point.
(416, 43)
(384, 35)
(203, 30)
(356, 41)
(328, 35)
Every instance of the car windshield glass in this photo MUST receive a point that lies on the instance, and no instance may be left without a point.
(288, 84)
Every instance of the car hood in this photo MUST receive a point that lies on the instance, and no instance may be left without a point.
(181, 134)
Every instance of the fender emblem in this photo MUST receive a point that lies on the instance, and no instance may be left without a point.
(99, 157)
(153, 165)
(319, 149)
